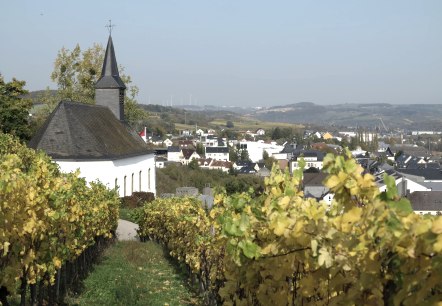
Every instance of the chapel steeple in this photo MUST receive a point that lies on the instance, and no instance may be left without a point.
(109, 89)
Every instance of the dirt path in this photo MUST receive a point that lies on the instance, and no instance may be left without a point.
(127, 230)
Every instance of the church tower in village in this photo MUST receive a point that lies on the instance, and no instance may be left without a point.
(109, 90)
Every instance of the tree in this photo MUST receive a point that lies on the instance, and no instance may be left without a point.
(244, 155)
(14, 109)
(233, 155)
(276, 134)
(200, 148)
(229, 124)
(193, 164)
(268, 160)
(265, 155)
(76, 72)
(230, 134)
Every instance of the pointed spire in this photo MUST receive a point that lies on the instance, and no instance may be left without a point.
(110, 77)
(109, 90)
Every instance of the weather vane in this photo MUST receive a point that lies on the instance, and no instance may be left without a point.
(110, 26)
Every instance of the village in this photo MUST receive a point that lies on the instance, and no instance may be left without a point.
(416, 171)
(275, 184)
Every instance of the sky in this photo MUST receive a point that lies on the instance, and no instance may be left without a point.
(240, 52)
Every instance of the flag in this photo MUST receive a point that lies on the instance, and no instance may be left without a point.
(143, 134)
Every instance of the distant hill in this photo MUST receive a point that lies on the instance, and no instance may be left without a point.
(37, 94)
(214, 108)
(195, 115)
(403, 116)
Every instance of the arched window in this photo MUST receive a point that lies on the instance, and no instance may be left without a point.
(124, 190)
(148, 180)
(132, 184)
(139, 181)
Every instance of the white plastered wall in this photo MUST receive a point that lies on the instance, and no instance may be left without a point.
(129, 174)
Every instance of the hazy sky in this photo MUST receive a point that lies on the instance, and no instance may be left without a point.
(245, 53)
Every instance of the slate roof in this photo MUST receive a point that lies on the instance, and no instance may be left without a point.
(76, 131)
(217, 150)
(314, 179)
(288, 148)
(174, 149)
(308, 153)
(185, 143)
(379, 177)
(241, 163)
(247, 170)
(426, 200)
(412, 150)
(221, 163)
(187, 153)
(160, 151)
(430, 174)
(110, 77)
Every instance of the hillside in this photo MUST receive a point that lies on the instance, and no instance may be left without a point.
(207, 117)
(412, 116)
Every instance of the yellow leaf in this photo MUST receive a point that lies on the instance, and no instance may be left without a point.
(324, 258)
(437, 226)
(284, 202)
(349, 218)
(438, 245)
(6, 245)
(29, 227)
(332, 181)
(271, 248)
(314, 245)
(280, 225)
(57, 262)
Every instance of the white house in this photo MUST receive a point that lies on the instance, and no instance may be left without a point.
(260, 132)
(95, 139)
(209, 141)
(257, 148)
(405, 187)
(167, 142)
(218, 153)
(189, 155)
(174, 154)
(220, 165)
(313, 159)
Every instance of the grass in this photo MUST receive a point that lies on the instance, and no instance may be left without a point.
(244, 123)
(129, 214)
(252, 124)
(135, 273)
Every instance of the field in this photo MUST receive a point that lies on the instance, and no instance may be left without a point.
(241, 123)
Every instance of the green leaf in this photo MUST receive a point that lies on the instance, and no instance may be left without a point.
(403, 206)
(231, 228)
(250, 249)
(391, 191)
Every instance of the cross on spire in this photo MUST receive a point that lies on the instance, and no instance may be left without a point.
(110, 26)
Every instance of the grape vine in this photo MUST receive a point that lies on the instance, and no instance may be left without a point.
(284, 249)
(47, 217)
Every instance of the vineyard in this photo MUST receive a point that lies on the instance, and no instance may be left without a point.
(52, 224)
(280, 248)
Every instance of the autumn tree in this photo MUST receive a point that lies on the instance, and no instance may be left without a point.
(233, 155)
(14, 108)
(76, 72)
(244, 155)
(268, 160)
